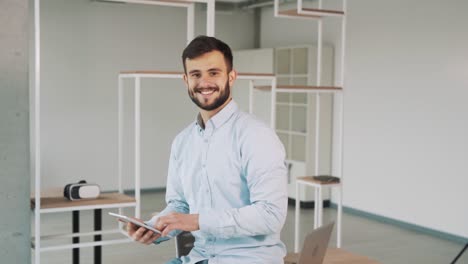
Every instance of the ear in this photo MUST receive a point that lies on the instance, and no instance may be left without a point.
(232, 77)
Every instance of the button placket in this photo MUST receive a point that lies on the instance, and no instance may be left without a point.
(206, 187)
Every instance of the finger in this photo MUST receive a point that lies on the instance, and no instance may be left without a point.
(153, 238)
(162, 222)
(131, 228)
(146, 237)
(139, 233)
(169, 228)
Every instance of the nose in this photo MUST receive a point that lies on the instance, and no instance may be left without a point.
(205, 82)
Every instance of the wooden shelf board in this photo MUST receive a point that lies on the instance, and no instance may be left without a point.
(174, 1)
(324, 11)
(103, 199)
(151, 72)
(255, 74)
(294, 13)
(157, 1)
(312, 180)
(318, 13)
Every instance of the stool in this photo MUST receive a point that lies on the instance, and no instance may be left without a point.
(318, 210)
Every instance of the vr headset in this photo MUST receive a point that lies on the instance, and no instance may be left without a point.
(81, 190)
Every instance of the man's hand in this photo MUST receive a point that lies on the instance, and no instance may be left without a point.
(141, 234)
(172, 221)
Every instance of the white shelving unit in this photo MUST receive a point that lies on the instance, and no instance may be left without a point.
(54, 202)
(318, 14)
(295, 67)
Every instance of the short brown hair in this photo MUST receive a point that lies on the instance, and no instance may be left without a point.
(204, 44)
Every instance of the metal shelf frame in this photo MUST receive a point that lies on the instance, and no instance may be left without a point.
(190, 5)
(35, 121)
(318, 14)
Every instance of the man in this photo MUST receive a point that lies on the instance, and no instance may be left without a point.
(227, 177)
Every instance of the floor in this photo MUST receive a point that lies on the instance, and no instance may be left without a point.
(382, 242)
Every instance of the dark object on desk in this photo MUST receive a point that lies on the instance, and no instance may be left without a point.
(81, 190)
(459, 254)
(326, 179)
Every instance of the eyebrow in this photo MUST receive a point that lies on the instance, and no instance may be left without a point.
(194, 71)
(209, 70)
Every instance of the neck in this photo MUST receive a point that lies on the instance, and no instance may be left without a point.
(206, 115)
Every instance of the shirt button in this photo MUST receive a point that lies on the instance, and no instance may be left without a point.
(204, 165)
(213, 256)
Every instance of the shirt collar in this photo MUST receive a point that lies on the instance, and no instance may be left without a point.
(221, 117)
(199, 121)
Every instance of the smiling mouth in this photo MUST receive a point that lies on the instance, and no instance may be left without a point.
(206, 91)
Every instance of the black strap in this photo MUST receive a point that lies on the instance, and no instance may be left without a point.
(459, 254)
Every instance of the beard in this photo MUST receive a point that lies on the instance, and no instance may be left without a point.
(219, 101)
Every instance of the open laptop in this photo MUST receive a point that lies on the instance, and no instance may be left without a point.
(315, 246)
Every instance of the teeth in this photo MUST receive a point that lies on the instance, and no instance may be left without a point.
(207, 92)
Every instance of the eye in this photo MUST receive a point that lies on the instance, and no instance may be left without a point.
(195, 75)
(213, 73)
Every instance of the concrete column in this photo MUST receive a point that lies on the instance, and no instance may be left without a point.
(14, 133)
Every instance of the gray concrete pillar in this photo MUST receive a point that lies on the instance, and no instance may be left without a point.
(14, 133)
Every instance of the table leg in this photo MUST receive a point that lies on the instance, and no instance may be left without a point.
(339, 216)
(76, 240)
(97, 227)
(316, 207)
(320, 207)
(296, 226)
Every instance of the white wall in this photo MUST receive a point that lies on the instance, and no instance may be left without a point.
(406, 126)
(85, 44)
(256, 61)
(405, 115)
(405, 134)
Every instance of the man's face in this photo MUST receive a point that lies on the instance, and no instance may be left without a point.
(208, 81)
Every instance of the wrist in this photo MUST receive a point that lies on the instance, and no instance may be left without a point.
(196, 221)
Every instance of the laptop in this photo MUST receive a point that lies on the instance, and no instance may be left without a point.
(315, 246)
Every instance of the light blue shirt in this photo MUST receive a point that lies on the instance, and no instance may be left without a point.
(233, 174)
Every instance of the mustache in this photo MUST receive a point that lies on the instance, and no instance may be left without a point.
(199, 89)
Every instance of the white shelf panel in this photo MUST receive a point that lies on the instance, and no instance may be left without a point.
(106, 200)
(295, 133)
(88, 244)
(71, 235)
(291, 104)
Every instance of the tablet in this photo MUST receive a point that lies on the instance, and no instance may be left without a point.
(127, 219)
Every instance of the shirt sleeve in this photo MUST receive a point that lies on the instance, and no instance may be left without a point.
(263, 163)
(175, 198)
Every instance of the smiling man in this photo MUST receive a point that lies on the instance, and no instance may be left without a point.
(227, 176)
